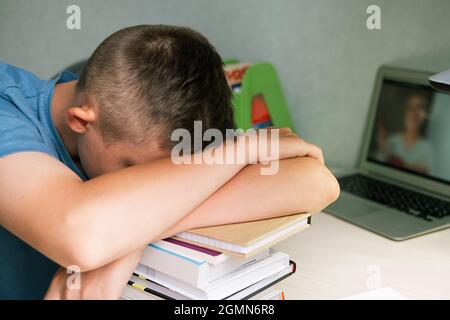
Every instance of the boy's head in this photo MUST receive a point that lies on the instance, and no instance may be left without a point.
(143, 83)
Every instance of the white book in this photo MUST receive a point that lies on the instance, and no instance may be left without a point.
(269, 294)
(197, 252)
(261, 284)
(189, 268)
(226, 285)
(130, 293)
(144, 289)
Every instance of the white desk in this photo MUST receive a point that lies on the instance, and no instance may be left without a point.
(336, 259)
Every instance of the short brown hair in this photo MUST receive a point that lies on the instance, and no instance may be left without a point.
(152, 79)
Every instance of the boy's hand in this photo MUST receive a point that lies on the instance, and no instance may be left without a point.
(282, 145)
(291, 146)
(105, 283)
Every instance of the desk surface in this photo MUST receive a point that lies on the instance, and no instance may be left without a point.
(336, 259)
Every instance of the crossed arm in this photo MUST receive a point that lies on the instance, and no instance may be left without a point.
(103, 223)
(301, 185)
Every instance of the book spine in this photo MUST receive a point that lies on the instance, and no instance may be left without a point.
(186, 269)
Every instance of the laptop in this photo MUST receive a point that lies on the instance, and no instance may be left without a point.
(400, 187)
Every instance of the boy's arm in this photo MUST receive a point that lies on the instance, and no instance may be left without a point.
(92, 223)
(105, 283)
(301, 185)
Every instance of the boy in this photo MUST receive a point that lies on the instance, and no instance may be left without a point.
(85, 174)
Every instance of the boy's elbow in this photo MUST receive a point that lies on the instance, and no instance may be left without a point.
(81, 246)
(327, 187)
(86, 257)
(81, 256)
(322, 184)
(332, 188)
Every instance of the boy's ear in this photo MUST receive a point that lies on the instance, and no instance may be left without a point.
(79, 118)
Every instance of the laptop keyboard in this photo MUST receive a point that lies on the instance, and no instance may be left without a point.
(413, 203)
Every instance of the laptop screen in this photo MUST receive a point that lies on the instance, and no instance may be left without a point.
(412, 130)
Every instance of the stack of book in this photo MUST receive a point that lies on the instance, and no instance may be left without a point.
(233, 262)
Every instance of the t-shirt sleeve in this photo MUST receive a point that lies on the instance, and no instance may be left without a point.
(17, 133)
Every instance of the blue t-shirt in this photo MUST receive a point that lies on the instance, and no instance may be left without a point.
(26, 125)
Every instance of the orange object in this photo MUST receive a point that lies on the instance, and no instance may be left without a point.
(260, 113)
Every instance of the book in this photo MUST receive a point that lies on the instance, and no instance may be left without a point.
(235, 73)
(190, 268)
(183, 247)
(224, 286)
(252, 291)
(247, 238)
(137, 292)
(141, 288)
(269, 294)
(232, 261)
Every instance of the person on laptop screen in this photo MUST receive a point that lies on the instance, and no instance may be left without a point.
(399, 188)
(408, 146)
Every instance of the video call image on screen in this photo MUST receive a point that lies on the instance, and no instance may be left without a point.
(412, 130)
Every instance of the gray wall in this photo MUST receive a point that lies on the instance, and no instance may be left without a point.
(325, 55)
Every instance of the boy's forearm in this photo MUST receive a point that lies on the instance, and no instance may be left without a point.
(301, 185)
(130, 207)
(92, 223)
